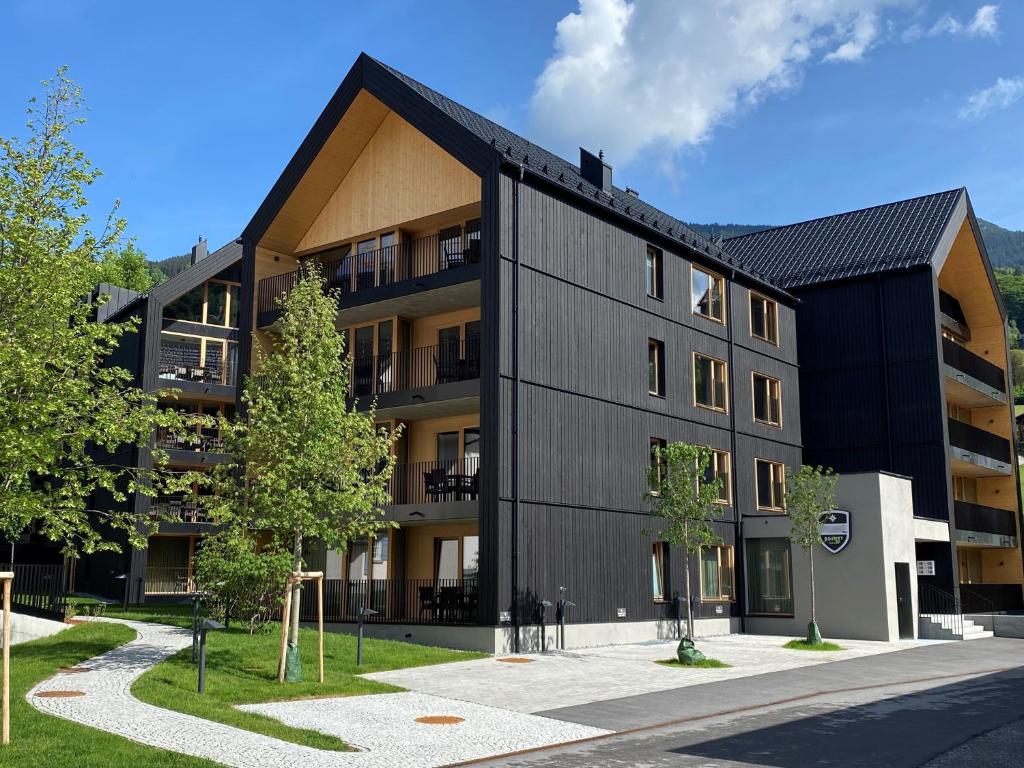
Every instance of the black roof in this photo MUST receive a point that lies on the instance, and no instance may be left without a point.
(882, 238)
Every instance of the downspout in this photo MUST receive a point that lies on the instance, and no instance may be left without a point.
(732, 458)
(515, 407)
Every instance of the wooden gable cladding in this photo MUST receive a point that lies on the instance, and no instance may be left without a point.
(965, 276)
(399, 176)
(356, 127)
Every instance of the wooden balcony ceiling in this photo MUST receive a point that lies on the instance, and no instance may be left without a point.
(413, 305)
(432, 410)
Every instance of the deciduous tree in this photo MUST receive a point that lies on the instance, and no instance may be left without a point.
(810, 492)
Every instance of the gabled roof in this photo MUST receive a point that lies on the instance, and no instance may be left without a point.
(882, 238)
(475, 141)
(184, 281)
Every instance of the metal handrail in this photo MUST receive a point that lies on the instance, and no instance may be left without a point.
(405, 601)
(414, 368)
(975, 366)
(933, 601)
(980, 441)
(426, 482)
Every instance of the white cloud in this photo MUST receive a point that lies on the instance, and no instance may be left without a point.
(661, 74)
(1005, 92)
(984, 23)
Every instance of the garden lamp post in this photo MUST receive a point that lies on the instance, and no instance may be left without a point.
(126, 578)
(363, 613)
(207, 625)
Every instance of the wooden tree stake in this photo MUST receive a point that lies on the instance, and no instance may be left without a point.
(7, 578)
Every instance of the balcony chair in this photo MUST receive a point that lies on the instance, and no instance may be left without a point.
(437, 483)
(448, 369)
(428, 601)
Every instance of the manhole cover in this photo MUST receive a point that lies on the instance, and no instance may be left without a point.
(516, 660)
(72, 670)
(59, 694)
(439, 720)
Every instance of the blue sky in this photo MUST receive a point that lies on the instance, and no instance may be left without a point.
(753, 112)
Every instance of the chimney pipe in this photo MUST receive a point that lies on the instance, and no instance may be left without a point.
(199, 251)
(594, 169)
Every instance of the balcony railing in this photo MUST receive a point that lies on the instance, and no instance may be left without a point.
(177, 508)
(181, 362)
(207, 439)
(162, 580)
(415, 368)
(398, 601)
(428, 482)
(383, 266)
(982, 519)
(978, 441)
(975, 366)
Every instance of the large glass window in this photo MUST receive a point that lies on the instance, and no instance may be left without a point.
(716, 573)
(447, 559)
(188, 307)
(233, 306)
(764, 318)
(216, 303)
(718, 466)
(654, 274)
(656, 367)
(707, 293)
(657, 446)
(470, 557)
(770, 588)
(767, 400)
(659, 565)
(771, 485)
(709, 382)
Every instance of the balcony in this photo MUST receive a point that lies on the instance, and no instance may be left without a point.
(176, 508)
(165, 580)
(971, 379)
(977, 453)
(952, 315)
(197, 367)
(439, 367)
(979, 524)
(361, 273)
(436, 482)
(191, 449)
(398, 601)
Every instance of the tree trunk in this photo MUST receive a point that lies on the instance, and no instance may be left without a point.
(814, 612)
(686, 571)
(293, 663)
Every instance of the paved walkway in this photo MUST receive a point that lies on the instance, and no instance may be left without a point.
(613, 672)
(384, 725)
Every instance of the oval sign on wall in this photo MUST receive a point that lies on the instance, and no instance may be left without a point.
(835, 530)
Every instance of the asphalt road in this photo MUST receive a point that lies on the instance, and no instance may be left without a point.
(930, 705)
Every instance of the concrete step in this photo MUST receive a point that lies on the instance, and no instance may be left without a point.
(940, 626)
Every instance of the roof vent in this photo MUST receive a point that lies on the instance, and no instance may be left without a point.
(594, 169)
(633, 192)
(199, 251)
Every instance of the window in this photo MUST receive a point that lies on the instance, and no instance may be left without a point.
(764, 318)
(771, 485)
(380, 549)
(187, 307)
(657, 445)
(718, 466)
(707, 293)
(656, 367)
(965, 489)
(470, 557)
(659, 572)
(769, 576)
(709, 382)
(767, 400)
(716, 573)
(216, 303)
(654, 279)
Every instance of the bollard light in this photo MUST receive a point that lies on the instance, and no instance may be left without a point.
(197, 597)
(363, 613)
(544, 605)
(124, 598)
(563, 606)
(207, 625)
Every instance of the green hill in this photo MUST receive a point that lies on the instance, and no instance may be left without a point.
(1005, 246)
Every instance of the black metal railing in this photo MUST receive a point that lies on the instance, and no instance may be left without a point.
(391, 264)
(181, 362)
(426, 482)
(176, 507)
(950, 306)
(205, 439)
(415, 368)
(970, 438)
(975, 366)
(977, 517)
(168, 580)
(944, 607)
(38, 589)
(397, 601)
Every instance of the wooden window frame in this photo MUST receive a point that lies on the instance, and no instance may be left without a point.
(731, 566)
(721, 280)
(725, 383)
(774, 311)
(781, 509)
(754, 376)
(656, 257)
(658, 552)
(659, 367)
(660, 443)
(726, 486)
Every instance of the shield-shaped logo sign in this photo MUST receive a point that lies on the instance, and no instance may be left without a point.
(835, 530)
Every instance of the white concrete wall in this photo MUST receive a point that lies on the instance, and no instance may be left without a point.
(856, 588)
(25, 628)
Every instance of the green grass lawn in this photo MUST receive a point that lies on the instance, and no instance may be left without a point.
(702, 664)
(42, 740)
(803, 645)
(242, 669)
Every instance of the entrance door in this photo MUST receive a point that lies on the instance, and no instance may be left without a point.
(904, 601)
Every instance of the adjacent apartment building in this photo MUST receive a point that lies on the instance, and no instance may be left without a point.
(537, 330)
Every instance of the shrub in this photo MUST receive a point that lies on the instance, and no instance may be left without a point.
(241, 580)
